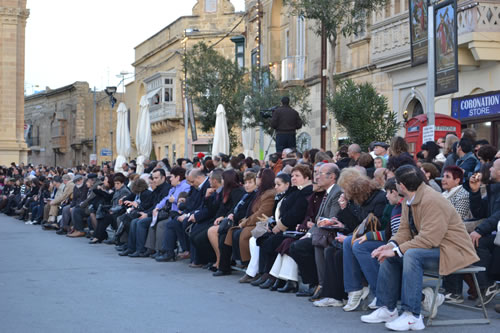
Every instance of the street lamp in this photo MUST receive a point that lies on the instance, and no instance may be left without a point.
(187, 32)
(110, 91)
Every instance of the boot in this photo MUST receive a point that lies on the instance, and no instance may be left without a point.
(290, 286)
(278, 285)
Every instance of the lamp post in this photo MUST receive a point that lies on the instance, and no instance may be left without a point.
(186, 104)
(110, 91)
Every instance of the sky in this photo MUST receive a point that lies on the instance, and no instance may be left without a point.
(92, 40)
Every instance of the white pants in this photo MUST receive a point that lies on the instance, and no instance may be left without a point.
(253, 265)
(285, 268)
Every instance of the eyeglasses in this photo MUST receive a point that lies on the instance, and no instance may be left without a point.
(324, 173)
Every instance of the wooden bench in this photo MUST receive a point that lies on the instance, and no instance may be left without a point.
(467, 270)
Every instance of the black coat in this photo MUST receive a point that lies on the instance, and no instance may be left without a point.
(234, 197)
(487, 208)
(294, 206)
(286, 120)
(196, 197)
(79, 195)
(245, 207)
(209, 208)
(353, 215)
(158, 194)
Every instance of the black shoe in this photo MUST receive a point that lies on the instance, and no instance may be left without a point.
(121, 247)
(306, 292)
(61, 232)
(37, 223)
(317, 294)
(221, 273)
(207, 266)
(136, 254)
(165, 258)
(290, 286)
(278, 284)
(260, 280)
(125, 253)
(213, 269)
(110, 241)
(268, 284)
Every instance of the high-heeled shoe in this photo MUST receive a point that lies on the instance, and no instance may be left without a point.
(260, 280)
(268, 284)
(95, 241)
(290, 286)
(278, 285)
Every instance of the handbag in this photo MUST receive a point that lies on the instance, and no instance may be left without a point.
(322, 237)
(497, 237)
(369, 224)
(224, 226)
(293, 234)
(260, 229)
(102, 211)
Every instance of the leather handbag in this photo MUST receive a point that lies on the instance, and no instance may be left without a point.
(322, 237)
(224, 226)
(102, 211)
(260, 229)
(369, 224)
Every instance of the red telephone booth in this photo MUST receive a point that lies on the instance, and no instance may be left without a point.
(414, 127)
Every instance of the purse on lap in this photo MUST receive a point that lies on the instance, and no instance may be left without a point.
(369, 224)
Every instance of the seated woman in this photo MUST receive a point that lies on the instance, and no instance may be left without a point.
(357, 258)
(120, 192)
(218, 232)
(431, 173)
(290, 212)
(364, 198)
(224, 201)
(238, 238)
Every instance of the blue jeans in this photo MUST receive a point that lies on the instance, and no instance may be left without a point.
(402, 278)
(358, 262)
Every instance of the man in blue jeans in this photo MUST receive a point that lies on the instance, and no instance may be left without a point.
(431, 236)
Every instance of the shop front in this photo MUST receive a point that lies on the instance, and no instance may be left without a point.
(480, 112)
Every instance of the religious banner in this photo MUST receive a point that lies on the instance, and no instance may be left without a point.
(418, 31)
(446, 47)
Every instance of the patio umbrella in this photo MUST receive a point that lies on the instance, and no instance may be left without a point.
(143, 140)
(247, 135)
(221, 136)
(122, 137)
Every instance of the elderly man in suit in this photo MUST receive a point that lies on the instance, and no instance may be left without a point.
(65, 187)
(311, 259)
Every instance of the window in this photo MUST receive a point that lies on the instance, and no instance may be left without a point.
(287, 43)
(301, 38)
(210, 6)
(239, 43)
(161, 88)
(168, 90)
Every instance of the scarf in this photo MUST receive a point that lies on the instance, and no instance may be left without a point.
(452, 192)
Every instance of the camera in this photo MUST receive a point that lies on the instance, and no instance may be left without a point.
(268, 113)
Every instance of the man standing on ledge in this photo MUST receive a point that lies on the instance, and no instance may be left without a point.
(285, 121)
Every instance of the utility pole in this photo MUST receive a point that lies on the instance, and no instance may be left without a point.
(259, 83)
(323, 86)
(94, 147)
(431, 64)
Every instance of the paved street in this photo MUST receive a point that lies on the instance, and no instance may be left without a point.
(50, 283)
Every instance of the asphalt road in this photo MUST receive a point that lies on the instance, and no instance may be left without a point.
(51, 283)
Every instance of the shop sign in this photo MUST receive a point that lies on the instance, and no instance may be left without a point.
(483, 105)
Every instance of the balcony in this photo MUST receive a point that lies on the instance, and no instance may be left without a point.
(163, 111)
(292, 68)
(59, 133)
(478, 29)
(390, 40)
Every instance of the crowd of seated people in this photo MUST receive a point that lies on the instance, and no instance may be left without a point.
(353, 229)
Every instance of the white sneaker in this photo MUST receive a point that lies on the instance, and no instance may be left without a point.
(406, 322)
(373, 304)
(381, 315)
(427, 302)
(328, 302)
(355, 298)
(29, 222)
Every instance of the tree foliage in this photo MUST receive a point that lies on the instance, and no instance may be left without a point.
(264, 93)
(346, 17)
(212, 80)
(363, 113)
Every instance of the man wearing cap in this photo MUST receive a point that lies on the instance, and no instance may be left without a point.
(80, 212)
(79, 195)
(285, 121)
(380, 150)
(64, 190)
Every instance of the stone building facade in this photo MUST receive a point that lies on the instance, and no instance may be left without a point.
(13, 16)
(62, 125)
(381, 55)
(159, 73)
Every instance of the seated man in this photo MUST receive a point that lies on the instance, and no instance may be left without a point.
(431, 236)
(64, 191)
(487, 208)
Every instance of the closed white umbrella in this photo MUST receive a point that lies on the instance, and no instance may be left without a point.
(143, 140)
(221, 135)
(122, 137)
(247, 135)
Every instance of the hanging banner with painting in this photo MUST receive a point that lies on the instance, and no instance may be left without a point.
(446, 47)
(418, 31)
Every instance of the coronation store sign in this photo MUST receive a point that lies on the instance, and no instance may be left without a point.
(482, 105)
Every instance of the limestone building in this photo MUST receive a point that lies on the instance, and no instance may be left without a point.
(159, 73)
(13, 16)
(61, 123)
(380, 54)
